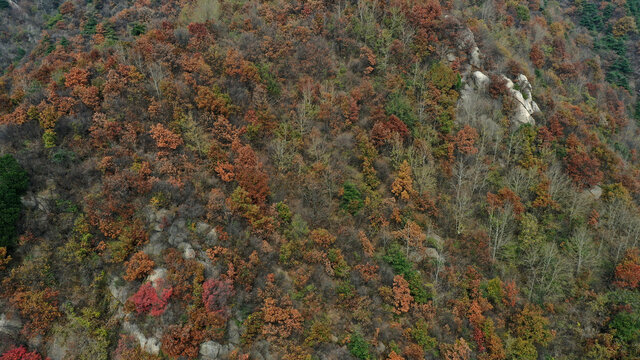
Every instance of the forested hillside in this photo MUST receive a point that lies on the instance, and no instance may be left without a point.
(306, 180)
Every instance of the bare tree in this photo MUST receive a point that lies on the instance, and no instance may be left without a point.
(581, 249)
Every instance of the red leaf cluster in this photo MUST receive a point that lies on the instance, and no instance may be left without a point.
(146, 300)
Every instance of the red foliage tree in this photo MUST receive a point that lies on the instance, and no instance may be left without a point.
(216, 294)
(281, 320)
(537, 56)
(20, 353)
(628, 270)
(76, 77)
(497, 86)
(146, 300)
(384, 131)
(465, 140)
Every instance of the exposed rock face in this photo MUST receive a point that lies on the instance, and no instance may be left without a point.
(10, 325)
(150, 345)
(213, 350)
(480, 80)
(525, 106)
(473, 95)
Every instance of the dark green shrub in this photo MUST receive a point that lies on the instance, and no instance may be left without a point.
(351, 198)
(138, 29)
(90, 26)
(522, 12)
(13, 183)
(358, 346)
(396, 258)
(399, 106)
(626, 326)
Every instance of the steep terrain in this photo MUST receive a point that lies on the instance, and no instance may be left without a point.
(319, 179)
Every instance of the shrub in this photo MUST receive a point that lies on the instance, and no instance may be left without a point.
(147, 300)
(13, 183)
(399, 106)
(216, 294)
(358, 346)
(351, 198)
(522, 12)
(20, 353)
(626, 326)
(138, 29)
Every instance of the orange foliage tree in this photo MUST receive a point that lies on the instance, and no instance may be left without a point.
(40, 308)
(164, 137)
(628, 270)
(181, 341)
(139, 266)
(280, 320)
(402, 186)
(401, 295)
(249, 173)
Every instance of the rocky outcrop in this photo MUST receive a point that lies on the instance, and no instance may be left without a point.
(149, 345)
(525, 106)
(211, 350)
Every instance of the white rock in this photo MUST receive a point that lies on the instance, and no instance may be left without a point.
(475, 57)
(596, 192)
(150, 345)
(187, 250)
(211, 350)
(480, 80)
(158, 275)
(9, 326)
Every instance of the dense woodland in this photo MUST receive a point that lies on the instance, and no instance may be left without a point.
(319, 179)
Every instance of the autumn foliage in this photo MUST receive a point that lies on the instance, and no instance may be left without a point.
(164, 137)
(139, 266)
(20, 353)
(147, 300)
(628, 270)
(216, 294)
(401, 295)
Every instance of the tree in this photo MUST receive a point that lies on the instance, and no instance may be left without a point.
(20, 353)
(249, 173)
(322, 237)
(458, 351)
(537, 56)
(581, 248)
(216, 294)
(13, 183)
(628, 270)
(146, 300)
(384, 131)
(39, 307)
(280, 320)
(164, 137)
(139, 266)
(401, 295)
(465, 140)
(402, 186)
(351, 200)
(358, 346)
(4, 258)
(179, 341)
